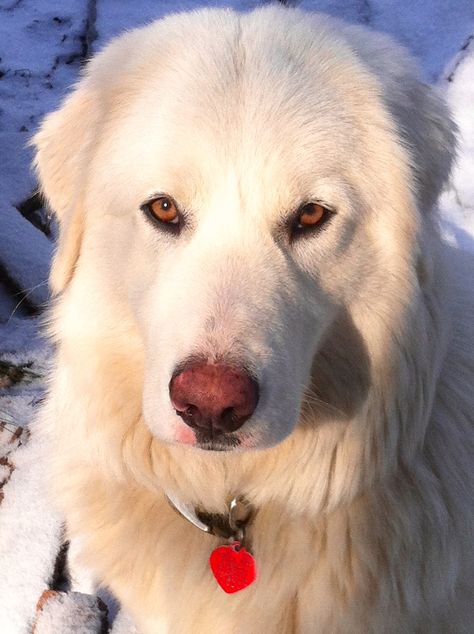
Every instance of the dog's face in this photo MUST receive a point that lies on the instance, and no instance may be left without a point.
(234, 198)
(232, 252)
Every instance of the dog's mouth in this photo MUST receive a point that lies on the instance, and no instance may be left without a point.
(221, 442)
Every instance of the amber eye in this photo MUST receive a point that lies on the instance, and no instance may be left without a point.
(164, 209)
(310, 216)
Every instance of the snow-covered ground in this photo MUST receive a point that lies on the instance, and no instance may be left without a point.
(42, 46)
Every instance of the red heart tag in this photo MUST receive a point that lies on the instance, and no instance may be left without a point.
(233, 567)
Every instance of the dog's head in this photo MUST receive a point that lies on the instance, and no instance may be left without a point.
(246, 193)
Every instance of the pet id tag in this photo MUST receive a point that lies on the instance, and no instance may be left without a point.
(233, 567)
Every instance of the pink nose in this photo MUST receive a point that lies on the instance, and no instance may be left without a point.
(213, 397)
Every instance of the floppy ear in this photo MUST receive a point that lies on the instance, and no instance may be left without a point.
(62, 152)
(422, 118)
(428, 132)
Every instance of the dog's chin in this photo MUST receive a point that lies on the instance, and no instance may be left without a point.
(206, 440)
(240, 441)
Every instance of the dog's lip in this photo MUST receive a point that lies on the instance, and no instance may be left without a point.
(213, 447)
(207, 440)
(222, 442)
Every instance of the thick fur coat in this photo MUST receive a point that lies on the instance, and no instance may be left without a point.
(359, 456)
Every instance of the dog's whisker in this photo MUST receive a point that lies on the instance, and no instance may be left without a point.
(312, 399)
(26, 293)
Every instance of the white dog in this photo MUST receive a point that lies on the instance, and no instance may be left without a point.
(253, 304)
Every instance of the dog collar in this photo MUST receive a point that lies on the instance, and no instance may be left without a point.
(231, 525)
(232, 565)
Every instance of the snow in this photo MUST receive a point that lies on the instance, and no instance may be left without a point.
(432, 30)
(30, 535)
(457, 202)
(28, 267)
(40, 47)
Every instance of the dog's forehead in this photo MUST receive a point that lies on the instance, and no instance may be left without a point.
(260, 113)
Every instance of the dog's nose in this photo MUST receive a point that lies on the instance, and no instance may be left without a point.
(214, 397)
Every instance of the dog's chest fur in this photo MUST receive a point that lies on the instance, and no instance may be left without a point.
(334, 573)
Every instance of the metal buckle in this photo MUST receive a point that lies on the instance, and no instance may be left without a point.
(231, 527)
(240, 513)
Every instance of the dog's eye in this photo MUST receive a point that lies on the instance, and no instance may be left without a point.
(310, 216)
(164, 209)
(164, 212)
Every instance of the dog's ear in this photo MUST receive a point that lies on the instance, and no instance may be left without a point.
(428, 132)
(422, 118)
(62, 152)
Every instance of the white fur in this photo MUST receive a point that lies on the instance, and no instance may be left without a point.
(358, 457)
